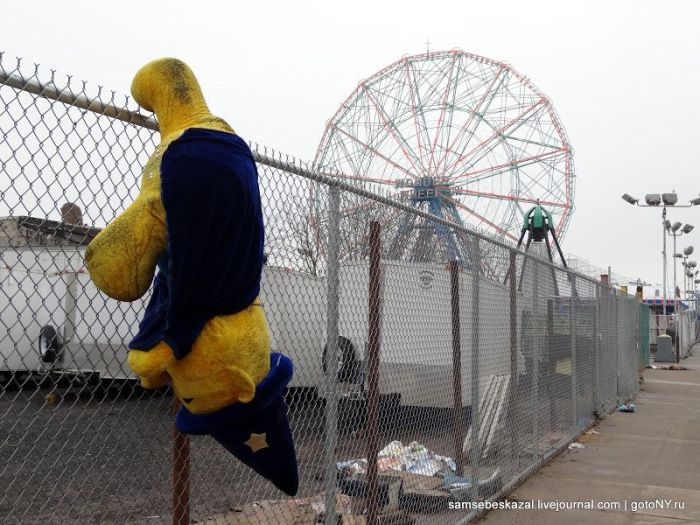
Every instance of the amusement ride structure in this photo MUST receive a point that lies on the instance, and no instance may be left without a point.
(463, 137)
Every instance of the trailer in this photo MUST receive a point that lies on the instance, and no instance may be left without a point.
(56, 322)
(295, 306)
(416, 353)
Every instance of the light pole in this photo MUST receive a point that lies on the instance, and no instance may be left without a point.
(688, 266)
(689, 273)
(654, 200)
(678, 316)
(687, 281)
(696, 301)
(674, 231)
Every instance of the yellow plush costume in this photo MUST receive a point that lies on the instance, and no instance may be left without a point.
(231, 354)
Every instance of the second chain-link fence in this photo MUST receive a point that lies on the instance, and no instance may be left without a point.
(420, 381)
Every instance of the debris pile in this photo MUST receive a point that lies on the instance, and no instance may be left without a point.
(413, 458)
(413, 478)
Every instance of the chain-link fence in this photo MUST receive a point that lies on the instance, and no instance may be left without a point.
(685, 329)
(682, 327)
(420, 383)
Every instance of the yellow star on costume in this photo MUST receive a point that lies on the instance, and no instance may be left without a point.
(257, 442)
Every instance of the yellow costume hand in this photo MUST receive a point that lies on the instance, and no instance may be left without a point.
(150, 383)
(152, 365)
(230, 357)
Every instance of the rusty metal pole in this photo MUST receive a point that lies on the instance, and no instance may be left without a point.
(181, 474)
(372, 495)
(457, 368)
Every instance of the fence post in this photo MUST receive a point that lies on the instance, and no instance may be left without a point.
(476, 441)
(637, 347)
(596, 352)
(457, 368)
(513, 353)
(537, 341)
(678, 331)
(574, 332)
(332, 352)
(372, 494)
(616, 308)
(181, 473)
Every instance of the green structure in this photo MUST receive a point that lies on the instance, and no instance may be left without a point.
(538, 225)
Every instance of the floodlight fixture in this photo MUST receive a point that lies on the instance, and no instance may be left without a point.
(653, 199)
(676, 226)
(667, 224)
(695, 201)
(688, 228)
(628, 198)
(688, 250)
(669, 199)
(692, 264)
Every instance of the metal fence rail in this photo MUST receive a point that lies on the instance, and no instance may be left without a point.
(417, 383)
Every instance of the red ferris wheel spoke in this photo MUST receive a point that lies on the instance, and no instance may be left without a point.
(392, 129)
(498, 133)
(509, 166)
(442, 113)
(511, 198)
(483, 219)
(373, 150)
(563, 222)
(473, 113)
(410, 83)
(448, 124)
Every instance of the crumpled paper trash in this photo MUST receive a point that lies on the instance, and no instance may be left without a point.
(414, 458)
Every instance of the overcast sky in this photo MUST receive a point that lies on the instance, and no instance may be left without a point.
(624, 77)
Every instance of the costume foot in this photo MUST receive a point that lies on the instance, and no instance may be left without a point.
(257, 432)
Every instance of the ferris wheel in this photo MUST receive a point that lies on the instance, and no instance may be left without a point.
(461, 136)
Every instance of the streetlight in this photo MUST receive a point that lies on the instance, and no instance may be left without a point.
(632, 200)
(675, 233)
(691, 271)
(687, 251)
(654, 200)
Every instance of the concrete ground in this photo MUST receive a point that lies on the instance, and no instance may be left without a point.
(647, 462)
